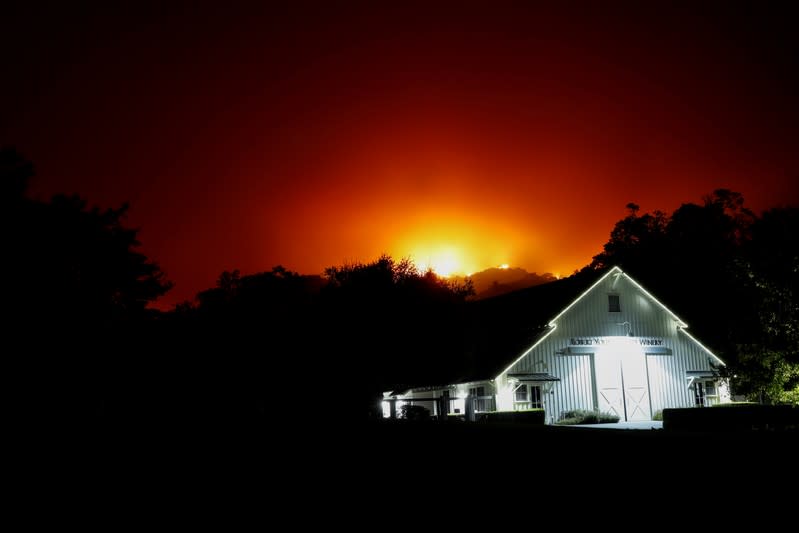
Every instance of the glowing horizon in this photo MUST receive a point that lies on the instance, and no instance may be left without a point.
(375, 130)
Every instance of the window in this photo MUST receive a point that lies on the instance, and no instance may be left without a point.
(613, 303)
(706, 393)
(477, 391)
(699, 393)
(535, 397)
(520, 394)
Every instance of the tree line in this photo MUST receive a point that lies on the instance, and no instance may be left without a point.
(279, 343)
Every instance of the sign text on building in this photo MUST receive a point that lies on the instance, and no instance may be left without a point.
(601, 341)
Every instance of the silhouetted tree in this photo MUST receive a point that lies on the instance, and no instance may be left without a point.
(294, 342)
(394, 324)
(82, 265)
(767, 360)
(248, 341)
(77, 289)
(634, 240)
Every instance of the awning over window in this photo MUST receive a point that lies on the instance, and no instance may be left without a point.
(533, 376)
(701, 374)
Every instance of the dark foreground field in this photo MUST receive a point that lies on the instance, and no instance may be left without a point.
(569, 447)
(419, 465)
(384, 443)
(589, 472)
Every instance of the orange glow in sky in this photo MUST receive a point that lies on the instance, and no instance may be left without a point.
(462, 135)
(453, 243)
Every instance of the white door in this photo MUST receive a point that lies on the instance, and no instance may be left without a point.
(610, 394)
(636, 388)
(621, 382)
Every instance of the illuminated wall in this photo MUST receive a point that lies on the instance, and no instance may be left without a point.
(632, 362)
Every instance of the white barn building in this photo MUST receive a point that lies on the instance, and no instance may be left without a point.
(615, 348)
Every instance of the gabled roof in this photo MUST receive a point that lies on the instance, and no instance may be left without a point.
(614, 271)
(505, 328)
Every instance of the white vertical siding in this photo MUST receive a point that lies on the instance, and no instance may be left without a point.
(668, 373)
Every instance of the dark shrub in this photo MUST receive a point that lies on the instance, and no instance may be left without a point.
(531, 416)
(582, 416)
(733, 417)
(414, 412)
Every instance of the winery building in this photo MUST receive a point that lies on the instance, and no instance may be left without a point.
(612, 347)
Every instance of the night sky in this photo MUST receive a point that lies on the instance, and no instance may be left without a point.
(466, 135)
